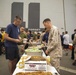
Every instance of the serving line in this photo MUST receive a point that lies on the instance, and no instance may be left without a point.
(50, 68)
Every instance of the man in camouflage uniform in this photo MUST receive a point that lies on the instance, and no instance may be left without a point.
(54, 48)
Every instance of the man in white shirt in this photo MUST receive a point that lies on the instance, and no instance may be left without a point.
(66, 42)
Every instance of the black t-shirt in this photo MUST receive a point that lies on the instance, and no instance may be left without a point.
(72, 36)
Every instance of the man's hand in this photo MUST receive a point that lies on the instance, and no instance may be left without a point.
(19, 37)
(6, 36)
(47, 52)
(17, 40)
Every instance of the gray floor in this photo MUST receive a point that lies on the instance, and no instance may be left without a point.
(66, 65)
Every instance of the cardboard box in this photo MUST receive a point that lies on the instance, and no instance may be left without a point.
(36, 66)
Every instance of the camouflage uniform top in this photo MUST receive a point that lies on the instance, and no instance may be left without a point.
(54, 43)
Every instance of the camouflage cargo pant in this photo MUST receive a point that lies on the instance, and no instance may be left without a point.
(55, 61)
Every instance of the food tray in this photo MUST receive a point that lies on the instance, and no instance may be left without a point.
(34, 53)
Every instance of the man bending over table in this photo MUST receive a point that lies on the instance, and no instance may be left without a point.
(11, 40)
(54, 48)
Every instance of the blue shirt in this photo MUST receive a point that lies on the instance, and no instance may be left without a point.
(13, 32)
(45, 37)
(29, 36)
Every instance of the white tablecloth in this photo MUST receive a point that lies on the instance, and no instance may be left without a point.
(49, 68)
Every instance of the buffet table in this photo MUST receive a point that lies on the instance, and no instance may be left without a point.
(49, 68)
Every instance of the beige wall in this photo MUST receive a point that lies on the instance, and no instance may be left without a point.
(48, 8)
